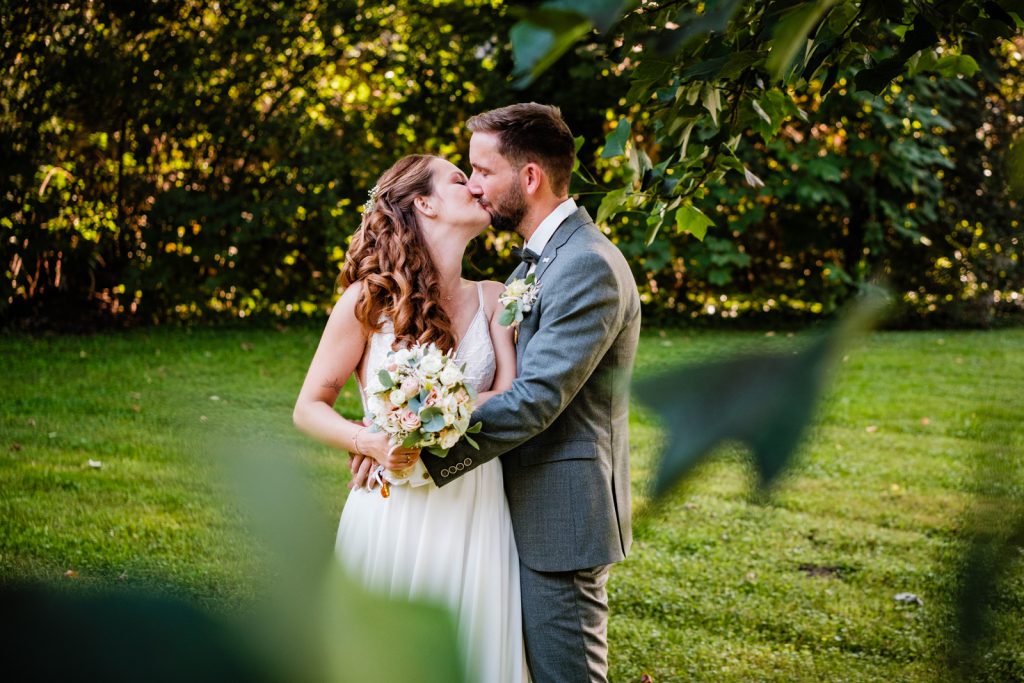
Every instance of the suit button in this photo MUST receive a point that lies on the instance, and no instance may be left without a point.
(444, 472)
(459, 467)
(467, 462)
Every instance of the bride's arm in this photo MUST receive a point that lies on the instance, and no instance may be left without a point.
(339, 352)
(504, 346)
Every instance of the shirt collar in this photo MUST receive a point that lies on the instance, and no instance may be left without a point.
(540, 237)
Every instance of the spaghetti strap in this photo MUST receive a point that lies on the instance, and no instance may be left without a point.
(480, 293)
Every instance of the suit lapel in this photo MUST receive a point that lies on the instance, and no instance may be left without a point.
(561, 236)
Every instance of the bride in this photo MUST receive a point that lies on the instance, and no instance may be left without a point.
(403, 284)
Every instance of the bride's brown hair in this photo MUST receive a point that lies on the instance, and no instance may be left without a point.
(389, 256)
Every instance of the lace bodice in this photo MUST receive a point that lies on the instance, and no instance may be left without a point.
(475, 349)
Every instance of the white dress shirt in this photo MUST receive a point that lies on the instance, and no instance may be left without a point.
(540, 237)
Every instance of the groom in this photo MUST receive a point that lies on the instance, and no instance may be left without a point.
(563, 428)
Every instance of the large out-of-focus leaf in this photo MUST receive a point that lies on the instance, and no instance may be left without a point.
(602, 13)
(120, 636)
(544, 34)
(790, 35)
(993, 548)
(318, 621)
(541, 37)
(691, 26)
(763, 400)
(994, 541)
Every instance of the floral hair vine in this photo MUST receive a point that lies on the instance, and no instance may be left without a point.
(371, 198)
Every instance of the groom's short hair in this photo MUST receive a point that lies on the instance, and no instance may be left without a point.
(530, 132)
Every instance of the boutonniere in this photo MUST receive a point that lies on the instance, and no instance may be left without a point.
(518, 298)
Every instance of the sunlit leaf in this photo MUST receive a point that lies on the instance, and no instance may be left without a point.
(956, 65)
(759, 110)
(692, 220)
(711, 98)
(615, 142)
(611, 203)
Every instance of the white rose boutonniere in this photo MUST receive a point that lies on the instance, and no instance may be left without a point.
(518, 298)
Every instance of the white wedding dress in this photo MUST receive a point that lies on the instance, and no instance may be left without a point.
(452, 545)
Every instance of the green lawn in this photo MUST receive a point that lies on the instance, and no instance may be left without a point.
(914, 428)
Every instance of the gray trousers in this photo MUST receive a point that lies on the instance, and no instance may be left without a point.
(565, 624)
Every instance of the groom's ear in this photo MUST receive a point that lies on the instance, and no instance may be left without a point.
(534, 177)
(424, 206)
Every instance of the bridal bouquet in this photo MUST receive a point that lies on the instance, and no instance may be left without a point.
(421, 400)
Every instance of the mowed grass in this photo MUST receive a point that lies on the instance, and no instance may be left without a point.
(915, 430)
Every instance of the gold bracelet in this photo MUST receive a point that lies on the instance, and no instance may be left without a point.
(355, 439)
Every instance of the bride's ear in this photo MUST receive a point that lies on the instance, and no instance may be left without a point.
(424, 206)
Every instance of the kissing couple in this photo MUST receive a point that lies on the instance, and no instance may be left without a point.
(516, 532)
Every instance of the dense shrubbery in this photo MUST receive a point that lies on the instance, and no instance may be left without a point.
(203, 160)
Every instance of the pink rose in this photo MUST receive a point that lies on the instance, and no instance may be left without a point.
(410, 421)
(432, 398)
(410, 386)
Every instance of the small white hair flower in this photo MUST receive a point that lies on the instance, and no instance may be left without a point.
(371, 198)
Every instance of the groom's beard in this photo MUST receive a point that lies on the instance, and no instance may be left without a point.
(508, 212)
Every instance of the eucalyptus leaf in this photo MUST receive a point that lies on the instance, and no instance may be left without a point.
(434, 424)
(508, 315)
(385, 379)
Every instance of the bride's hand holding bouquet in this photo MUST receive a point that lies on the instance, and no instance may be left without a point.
(378, 446)
(421, 400)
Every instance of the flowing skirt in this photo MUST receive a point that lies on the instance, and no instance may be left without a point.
(453, 546)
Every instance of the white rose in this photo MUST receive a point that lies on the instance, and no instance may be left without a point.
(375, 405)
(402, 356)
(397, 397)
(449, 438)
(515, 289)
(431, 364)
(450, 375)
(450, 407)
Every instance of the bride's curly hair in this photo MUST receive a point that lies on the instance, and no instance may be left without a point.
(389, 256)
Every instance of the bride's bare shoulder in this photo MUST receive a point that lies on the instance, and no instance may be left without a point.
(345, 306)
(492, 290)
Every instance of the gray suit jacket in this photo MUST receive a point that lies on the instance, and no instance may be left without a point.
(563, 427)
